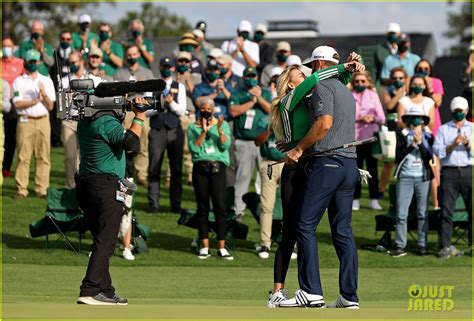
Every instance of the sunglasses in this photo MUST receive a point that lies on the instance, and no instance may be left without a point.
(94, 57)
(183, 61)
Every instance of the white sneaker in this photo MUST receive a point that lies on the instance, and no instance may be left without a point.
(294, 256)
(303, 299)
(355, 205)
(264, 252)
(224, 254)
(204, 253)
(128, 255)
(343, 303)
(374, 204)
(274, 299)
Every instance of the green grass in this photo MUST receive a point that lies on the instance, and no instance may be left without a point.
(170, 282)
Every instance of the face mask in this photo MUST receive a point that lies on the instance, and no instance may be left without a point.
(402, 47)
(187, 48)
(7, 52)
(182, 68)
(103, 35)
(245, 35)
(281, 57)
(212, 76)
(84, 27)
(422, 73)
(417, 90)
(73, 68)
(458, 115)
(250, 83)
(224, 71)
(132, 61)
(165, 72)
(392, 38)
(206, 115)
(64, 44)
(399, 84)
(136, 33)
(360, 89)
(35, 35)
(31, 67)
(258, 37)
(416, 121)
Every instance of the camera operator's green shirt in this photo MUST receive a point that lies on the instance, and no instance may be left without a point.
(100, 143)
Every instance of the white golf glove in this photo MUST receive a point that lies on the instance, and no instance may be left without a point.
(364, 176)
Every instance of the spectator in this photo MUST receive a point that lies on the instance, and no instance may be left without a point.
(33, 98)
(112, 52)
(95, 64)
(282, 52)
(403, 58)
(85, 39)
(189, 44)
(453, 145)
(249, 107)
(12, 67)
(225, 65)
(293, 60)
(413, 156)
(387, 48)
(216, 89)
(144, 45)
(166, 134)
(390, 99)
(244, 52)
(209, 141)
(274, 74)
(213, 54)
(37, 42)
(77, 69)
(203, 47)
(265, 50)
(133, 71)
(369, 117)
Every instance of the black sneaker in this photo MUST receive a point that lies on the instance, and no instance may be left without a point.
(102, 299)
(422, 251)
(398, 252)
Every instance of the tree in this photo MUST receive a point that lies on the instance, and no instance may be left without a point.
(158, 21)
(460, 27)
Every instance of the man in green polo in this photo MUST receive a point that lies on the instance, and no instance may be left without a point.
(36, 42)
(85, 39)
(147, 54)
(112, 51)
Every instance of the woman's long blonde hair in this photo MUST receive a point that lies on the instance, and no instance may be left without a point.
(282, 89)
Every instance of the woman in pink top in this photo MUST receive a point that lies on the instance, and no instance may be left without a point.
(369, 117)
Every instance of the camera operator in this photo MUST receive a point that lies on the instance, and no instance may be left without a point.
(103, 145)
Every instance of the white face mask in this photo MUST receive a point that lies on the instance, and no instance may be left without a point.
(7, 52)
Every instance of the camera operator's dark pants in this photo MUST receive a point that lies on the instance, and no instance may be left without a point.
(103, 213)
(331, 183)
(210, 186)
(171, 140)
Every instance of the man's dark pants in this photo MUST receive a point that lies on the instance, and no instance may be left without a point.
(454, 181)
(103, 214)
(330, 184)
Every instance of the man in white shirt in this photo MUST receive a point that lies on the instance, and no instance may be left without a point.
(245, 53)
(33, 98)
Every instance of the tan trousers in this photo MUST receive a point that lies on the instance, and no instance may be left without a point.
(33, 136)
(71, 152)
(267, 200)
(141, 160)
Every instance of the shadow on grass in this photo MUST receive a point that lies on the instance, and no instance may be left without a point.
(21, 242)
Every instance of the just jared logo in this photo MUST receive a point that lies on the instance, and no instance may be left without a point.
(430, 298)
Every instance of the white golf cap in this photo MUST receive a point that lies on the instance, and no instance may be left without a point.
(459, 103)
(83, 18)
(325, 53)
(245, 25)
(393, 27)
(261, 27)
(283, 46)
(215, 53)
(275, 71)
(198, 33)
(293, 60)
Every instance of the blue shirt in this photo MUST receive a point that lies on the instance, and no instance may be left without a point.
(221, 102)
(413, 165)
(408, 63)
(460, 156)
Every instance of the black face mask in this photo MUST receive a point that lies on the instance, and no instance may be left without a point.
(84, 26)
(402, 47)
(206, 115)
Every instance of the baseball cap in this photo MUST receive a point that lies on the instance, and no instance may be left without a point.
(32, 54)
(261, 27)
(293, 60)
(224, 59)
(166, 61)
(415, 112)
(283, 46)
(459, 103)
(393, 27)
(325, 53)
(276, 71)
(250, 71)
(215, 53)
(404, 38)
(201, 25)
(245, 25)
(184, 55)
(95, 52)
(83, 18)
(198, 33)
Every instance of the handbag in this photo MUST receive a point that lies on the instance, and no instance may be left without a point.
(385, 146)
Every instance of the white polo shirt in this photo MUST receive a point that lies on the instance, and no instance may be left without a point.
(27, 88)
(239, 63)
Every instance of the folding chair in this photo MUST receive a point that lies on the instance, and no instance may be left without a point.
(62, 216)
